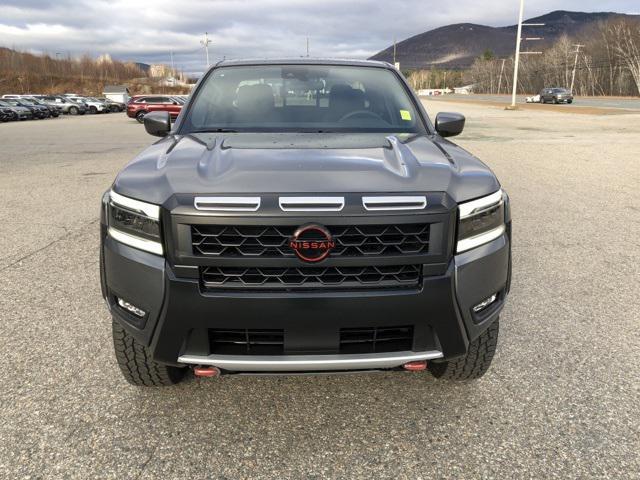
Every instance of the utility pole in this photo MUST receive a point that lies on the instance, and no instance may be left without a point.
(307, 46)
(517, 59)
(575, 64)
(206, 43)
(500, 79)
(394, 49)
(171, 63)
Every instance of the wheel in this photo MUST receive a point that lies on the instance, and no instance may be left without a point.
(555, 101)
(114, 108)
(93, 109)
(136, 364)
(569, 101)
(477, 360)
(140, 116)
(73, 110)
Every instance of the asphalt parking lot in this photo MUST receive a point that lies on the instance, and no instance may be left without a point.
(561, 400)
(609, 104)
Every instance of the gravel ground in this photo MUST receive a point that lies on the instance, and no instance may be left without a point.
(561, 400)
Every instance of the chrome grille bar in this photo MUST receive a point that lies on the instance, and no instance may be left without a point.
(417, 202)
(227, 204)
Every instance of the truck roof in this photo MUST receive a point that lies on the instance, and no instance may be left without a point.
(304, 61)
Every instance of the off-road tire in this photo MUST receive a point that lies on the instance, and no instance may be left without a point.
(475, 363)
(136, 364)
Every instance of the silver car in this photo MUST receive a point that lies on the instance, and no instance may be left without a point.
(68, 106)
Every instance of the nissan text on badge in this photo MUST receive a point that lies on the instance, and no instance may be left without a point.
(304, 216)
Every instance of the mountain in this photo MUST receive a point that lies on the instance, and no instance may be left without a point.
(457, 46)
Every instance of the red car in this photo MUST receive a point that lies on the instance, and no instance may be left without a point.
(140, 105)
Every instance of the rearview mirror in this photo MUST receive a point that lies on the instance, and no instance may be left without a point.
(157, 124)
(449, 124)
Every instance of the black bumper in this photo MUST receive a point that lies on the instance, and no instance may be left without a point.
(179, 311)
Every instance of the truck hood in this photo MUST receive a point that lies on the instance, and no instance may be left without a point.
(257, 163)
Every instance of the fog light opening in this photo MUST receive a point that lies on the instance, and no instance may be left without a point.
(485, 303)
(417, 366)
(138, 312)
(206, 371)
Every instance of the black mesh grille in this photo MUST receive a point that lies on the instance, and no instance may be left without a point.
(388, 276)
(376, 339)
(270, 241)
(246, 342)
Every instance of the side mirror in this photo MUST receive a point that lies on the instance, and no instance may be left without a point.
(157, 124)
(449, 124)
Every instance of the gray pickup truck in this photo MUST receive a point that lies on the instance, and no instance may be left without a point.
(304, 216)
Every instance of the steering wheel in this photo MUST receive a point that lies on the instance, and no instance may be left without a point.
(361, 113)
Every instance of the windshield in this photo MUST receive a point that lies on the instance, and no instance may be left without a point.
(13, 102)
(303, 98)
(560, 90)
(4, 104)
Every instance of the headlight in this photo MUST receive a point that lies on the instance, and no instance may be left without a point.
(480, 221)
(135, 223)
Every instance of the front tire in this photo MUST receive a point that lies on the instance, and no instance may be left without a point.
(73, 110)
(140, 116)
(477, 360)
(93, 110)
(136, 364)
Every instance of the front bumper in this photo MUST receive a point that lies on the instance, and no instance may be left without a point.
(179, 313)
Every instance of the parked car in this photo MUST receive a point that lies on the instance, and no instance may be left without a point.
(113, 105)
(67, 105)
(6, 114)
(93, 105)
(21, 113)
(38, 111)
(292, 233)
(54, 110)
(140, 105)
(556, 95)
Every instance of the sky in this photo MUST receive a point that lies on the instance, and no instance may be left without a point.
(148, 30)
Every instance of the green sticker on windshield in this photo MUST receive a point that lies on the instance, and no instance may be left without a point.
(405, 115)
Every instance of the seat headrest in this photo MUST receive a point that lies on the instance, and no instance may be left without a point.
(255, 97)
(343, 97)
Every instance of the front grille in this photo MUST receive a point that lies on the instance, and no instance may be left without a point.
(300, 278)
(376, 339)
(246, 342)
(270, 241)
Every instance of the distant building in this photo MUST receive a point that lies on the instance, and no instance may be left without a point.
(117, 93)
(159, 70)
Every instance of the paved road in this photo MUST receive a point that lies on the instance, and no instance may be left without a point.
(561, 400)
(631, 103)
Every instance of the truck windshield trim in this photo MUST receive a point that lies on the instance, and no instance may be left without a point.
(303, 98)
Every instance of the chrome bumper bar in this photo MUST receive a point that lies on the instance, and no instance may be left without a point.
(309, 363)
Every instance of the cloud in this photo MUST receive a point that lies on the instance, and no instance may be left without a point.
(147, 31)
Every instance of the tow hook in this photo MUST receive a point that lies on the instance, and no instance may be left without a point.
(416, 366)
(206, 371)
